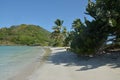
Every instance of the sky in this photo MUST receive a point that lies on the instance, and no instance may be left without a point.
(41, 12)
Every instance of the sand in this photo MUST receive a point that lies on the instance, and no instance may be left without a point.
(64, 65)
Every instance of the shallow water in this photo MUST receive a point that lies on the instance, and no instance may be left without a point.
(14, 58)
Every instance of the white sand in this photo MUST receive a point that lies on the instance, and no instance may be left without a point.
(63, 65)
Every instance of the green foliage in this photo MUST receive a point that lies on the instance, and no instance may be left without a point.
(59, 34)
(24, 35)
(90, 37)
(69, 37)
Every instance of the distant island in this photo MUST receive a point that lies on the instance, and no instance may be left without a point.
(24, 34)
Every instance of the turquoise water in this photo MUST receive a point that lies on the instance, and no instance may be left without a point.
(14, 58)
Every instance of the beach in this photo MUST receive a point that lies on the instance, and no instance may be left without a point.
(13, 59)
(64, 65)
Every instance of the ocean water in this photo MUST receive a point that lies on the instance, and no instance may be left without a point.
(14, 58)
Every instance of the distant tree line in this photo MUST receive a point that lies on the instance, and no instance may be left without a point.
(24, 35)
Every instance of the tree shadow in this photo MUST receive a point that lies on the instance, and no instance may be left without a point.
(86, 63)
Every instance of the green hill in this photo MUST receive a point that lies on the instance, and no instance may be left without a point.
(24, 35)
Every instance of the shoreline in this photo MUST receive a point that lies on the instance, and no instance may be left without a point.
(33, 66)
(64, 65)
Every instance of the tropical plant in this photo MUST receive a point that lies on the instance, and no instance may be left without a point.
(59, 33)
(91, 37)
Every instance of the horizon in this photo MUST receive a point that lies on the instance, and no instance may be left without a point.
(42, 13)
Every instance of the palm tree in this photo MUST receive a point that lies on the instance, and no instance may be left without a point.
(57, 35)
(77, 26)
(58, 25)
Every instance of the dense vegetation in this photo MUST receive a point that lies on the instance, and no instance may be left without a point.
(88, 38)
(91, 37)
(59, 33)
(24, 35)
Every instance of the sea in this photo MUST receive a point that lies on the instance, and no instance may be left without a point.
(14, 58)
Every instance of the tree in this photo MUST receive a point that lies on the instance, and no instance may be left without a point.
(91, 37)
(59, 33)
(108, 12)
(24, 35)
(78, 26)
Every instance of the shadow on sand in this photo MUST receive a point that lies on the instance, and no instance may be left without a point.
(69, 59)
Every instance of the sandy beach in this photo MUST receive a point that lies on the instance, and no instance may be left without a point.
(64, 65)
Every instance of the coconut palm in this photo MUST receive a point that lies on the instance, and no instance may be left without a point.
(57, 35)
